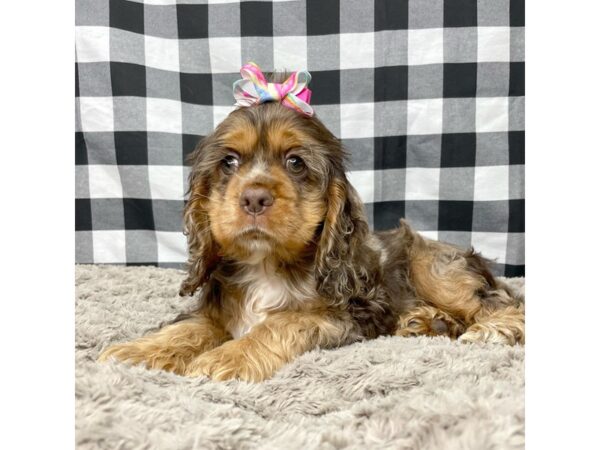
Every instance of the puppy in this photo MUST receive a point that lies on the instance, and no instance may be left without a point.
(282, 259)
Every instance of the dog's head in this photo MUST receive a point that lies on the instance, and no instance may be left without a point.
(270, 183)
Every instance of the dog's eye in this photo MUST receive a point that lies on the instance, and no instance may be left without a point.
(230, 163)
(295, 165)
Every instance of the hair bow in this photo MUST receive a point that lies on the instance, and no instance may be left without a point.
(253, 89)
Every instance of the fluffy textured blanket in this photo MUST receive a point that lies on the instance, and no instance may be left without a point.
(392, 392)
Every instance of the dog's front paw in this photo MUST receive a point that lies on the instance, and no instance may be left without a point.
(128, 351)
(234, 360)
(151, 356)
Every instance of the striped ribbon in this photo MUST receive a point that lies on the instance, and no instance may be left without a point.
(253, 89)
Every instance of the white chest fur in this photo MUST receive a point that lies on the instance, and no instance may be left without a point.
(265, 290)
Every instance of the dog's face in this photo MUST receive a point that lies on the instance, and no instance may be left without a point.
(269, 183)
(269, 170)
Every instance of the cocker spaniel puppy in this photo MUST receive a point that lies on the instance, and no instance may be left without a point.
(282, 260)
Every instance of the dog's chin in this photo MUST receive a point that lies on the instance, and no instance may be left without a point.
(256, 242)
(254, 232)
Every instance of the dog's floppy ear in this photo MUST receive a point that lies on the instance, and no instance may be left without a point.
(202, 249)
(341, 270)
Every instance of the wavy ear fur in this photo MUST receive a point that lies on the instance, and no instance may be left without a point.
(202, 249)
(344, 267)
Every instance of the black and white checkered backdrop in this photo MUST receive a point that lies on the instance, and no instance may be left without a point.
(427, 95)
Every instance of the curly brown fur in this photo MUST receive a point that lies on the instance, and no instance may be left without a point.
(283, 260)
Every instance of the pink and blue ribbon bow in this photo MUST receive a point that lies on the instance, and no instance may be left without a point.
(254, 89)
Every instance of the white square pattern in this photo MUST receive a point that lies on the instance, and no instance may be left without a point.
(491, 114)
(105, 181)
(220, 112)
(426, 46)
(357, 120)
(491, 183)
(491, 245)
(162, 53)
(171, 246)
(364, 182)
(109, 246)
(425, 116)
(493, 44)
(357, 50)
(96, 113)
(225, 54)
(166, 182)
(430, 234)
(289, 53)
(422, 183)
(92, 44)
(163, 115)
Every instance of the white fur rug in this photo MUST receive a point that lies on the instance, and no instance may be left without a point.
(392, 392)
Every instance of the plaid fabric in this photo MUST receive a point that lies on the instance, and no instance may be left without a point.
(427, 96)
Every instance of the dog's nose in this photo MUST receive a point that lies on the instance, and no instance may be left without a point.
(255, 201)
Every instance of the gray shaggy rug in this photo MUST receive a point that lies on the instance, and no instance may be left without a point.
(392, 392)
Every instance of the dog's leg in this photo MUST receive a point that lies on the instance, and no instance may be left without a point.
(172, 347)
(502, 326)
(268, 346)
(429, 321)
(449, 278)
(459, 283)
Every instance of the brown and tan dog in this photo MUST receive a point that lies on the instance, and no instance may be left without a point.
(284, 262)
